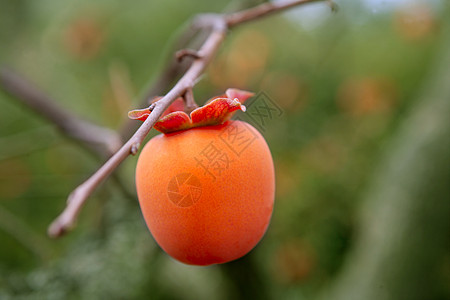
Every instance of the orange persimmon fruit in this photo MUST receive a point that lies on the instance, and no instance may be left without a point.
(206, 185)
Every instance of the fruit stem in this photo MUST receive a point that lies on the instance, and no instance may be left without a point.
(189, 101)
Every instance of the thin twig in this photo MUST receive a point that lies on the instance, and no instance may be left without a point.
(219, 25)
(262, 10)
(99, 139)
(78, 197)
(172, 70)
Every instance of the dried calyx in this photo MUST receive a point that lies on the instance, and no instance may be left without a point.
(215, 112)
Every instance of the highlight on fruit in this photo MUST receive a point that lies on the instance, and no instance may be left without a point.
(206, 185)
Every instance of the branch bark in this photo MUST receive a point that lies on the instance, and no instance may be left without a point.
(172, 69)
(260, 11)
(99, 139)
(218, 25)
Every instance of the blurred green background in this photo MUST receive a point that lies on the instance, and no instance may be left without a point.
(361, 150)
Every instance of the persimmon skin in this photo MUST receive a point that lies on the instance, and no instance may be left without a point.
(235, 205)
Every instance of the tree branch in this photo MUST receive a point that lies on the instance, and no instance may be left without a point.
(218, 24)
(262, 10)
(99, 139)
(172, 69)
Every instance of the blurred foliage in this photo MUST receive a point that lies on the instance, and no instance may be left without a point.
(344, 85)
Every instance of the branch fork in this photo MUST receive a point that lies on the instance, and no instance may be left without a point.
(217, 26)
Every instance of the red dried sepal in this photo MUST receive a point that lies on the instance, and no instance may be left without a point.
(139, 114)
(142, 114)
(177, 105)
(175, 121)
(241, 95)
(217, 111)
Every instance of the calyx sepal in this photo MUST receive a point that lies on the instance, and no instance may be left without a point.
(216, 111)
